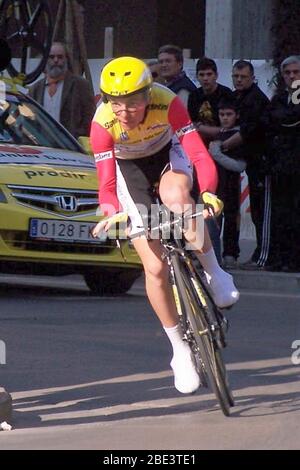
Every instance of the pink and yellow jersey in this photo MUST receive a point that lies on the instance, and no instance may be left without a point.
(165, 116)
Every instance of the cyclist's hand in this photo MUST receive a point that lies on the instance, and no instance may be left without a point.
(105, 224)
(212, 204)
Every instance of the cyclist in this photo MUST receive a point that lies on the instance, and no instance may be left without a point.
(141, 134)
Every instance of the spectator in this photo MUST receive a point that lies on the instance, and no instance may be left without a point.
(170, 59)
(203, 109)
(230, 165)
(252, 103)
(203, 102)
(67, 97)
(282, 122)
(155, 71)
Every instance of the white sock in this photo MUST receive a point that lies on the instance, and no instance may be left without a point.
(221, 283)
(175, 336)
(210, 263)
(186, 378)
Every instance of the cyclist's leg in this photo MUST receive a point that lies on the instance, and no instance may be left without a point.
(174, 191)
(161, 298)
(135, 180)
(157, 276)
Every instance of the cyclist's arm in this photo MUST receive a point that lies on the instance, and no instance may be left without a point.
(193, 145)
(103, 149)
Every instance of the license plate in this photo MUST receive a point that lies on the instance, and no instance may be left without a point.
(49, 229)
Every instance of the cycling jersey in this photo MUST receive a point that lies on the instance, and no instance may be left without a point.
(165, 116)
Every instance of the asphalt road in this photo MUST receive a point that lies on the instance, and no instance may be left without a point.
(92, 373)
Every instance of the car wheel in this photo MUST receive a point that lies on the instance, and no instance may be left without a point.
(110, 282)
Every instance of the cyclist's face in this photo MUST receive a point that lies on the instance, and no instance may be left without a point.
(168, 65)
(130, 110)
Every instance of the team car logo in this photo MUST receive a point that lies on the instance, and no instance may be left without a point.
(67, 203)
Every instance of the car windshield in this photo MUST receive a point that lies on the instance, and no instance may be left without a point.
(22, 122)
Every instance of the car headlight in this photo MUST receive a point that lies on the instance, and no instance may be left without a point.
(2, 197)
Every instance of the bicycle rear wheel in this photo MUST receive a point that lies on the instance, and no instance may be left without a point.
(206, 347)
(26, 26)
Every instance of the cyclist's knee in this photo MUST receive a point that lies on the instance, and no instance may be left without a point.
(156, 271)
(177, 198)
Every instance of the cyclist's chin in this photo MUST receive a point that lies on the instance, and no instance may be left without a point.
(128, 125)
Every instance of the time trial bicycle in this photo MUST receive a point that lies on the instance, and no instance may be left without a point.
(204, 325)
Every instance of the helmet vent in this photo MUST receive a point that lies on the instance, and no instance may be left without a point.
(126, 74)
(112, 74)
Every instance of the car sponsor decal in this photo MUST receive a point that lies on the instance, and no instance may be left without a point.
(32, 156)
(30, 174)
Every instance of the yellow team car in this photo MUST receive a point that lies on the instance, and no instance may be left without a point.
(48, 203)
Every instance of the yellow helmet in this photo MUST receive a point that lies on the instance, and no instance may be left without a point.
(125, 76)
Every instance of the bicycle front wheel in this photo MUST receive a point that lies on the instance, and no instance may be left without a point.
(218, 323)
(200, 329)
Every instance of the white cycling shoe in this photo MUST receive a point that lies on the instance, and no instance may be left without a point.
(223, 290)
(186, 378)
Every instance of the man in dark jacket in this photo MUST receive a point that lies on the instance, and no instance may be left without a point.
(252, 102)
(67, 97)
(282, 123)
(203, 103)
(170, 59)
